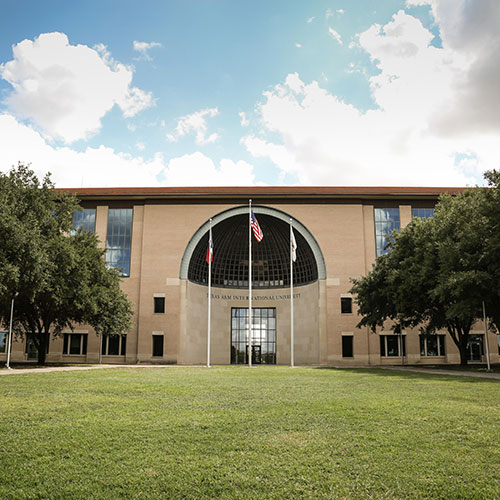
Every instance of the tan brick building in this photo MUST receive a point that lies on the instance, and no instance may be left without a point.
(159, 238)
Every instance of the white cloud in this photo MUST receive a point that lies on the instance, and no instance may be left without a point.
(105, 167)
(196, 123)
(298, 45)
(310, 20)
(335, 35)
(328, 13)
(66, 90)
(199, 170)
(437, 118)
(144, 47)
(140, 146)
(93, 167)
(340, 11)
(244, 121)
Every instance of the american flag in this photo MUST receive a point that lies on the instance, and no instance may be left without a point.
(257, 231)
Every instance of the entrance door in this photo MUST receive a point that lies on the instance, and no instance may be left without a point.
(475, 348)
(263, 335)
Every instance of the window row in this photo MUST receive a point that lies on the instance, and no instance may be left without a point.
(395, 345)
(430, 345)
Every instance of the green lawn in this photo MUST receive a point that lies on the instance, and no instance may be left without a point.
(234, 432)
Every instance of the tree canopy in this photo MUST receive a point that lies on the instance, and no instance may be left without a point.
(438, 271)
(58, 276)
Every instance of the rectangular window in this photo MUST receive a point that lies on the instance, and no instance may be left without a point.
(75, 343)
(119, 239)
(84, 219)
(390, 345)
(386, 221)
(345, 305)
(3, 341)
(159, 305)
(347, 351)
(432, 345)
(422, 213)
(157, 345)
(114, 345)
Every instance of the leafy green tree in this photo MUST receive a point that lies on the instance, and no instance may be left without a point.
(59, 276)
(436, 274)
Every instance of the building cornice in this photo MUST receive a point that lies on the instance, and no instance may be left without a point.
(260, 192)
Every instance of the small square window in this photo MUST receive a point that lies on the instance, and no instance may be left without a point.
(159, 305)
(346, 305)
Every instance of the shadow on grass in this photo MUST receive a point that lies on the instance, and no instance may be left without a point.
(393, 371)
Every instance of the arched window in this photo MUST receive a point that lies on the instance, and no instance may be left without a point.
(270, 257)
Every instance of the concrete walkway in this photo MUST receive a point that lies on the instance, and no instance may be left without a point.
(75, 368)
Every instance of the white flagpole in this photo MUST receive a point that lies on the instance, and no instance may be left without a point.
(250, 283)
(210, 254)
(9, 345)
(292, 353)
(486, 337)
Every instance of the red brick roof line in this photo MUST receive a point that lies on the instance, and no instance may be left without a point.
(302, 191)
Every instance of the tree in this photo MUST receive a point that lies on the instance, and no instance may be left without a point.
(436, 273)
(59, 276)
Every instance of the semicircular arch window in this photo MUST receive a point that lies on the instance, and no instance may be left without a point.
(270, 257)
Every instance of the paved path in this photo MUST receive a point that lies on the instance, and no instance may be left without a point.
(74, 368)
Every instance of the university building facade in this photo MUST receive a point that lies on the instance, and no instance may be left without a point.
(158, 238)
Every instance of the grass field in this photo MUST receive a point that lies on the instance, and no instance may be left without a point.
(234, 432)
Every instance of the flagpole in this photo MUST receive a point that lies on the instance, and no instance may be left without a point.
(209, 290)
(292, 353)
(250, 283)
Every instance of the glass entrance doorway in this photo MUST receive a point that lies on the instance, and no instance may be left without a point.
(263, 335)
(475, 348)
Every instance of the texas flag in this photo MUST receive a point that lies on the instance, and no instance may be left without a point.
(210, 251)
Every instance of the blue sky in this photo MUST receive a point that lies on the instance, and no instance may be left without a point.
(211, 92)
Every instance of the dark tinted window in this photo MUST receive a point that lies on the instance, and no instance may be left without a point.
(157, 345)
(347, 351)
(346, 305)
(159, 304)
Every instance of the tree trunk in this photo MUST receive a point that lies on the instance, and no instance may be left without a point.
(463, 353)
(42, 347)
(460, 337)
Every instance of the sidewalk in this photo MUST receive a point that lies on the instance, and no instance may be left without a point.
(74, 368)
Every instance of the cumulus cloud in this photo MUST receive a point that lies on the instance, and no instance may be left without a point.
(195, 123)
(244, 121)
(92, 167)
(199, 170)
(335, 35)
(144, 47)
(105, 167)
(436, 119)
(65, 89)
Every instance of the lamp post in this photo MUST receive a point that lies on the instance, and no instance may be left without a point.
(9, 347)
